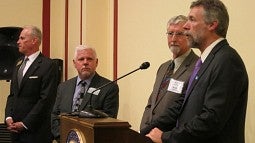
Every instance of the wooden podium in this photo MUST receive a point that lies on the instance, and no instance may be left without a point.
(98, 130)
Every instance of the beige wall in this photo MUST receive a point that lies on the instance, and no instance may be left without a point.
(96, 31)
(141, 37)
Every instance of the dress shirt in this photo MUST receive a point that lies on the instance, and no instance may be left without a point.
(178, 61)
(209, 49)
(31, 59)
(77, 88)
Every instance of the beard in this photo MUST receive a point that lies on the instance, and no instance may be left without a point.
(194, 41)
(193, 44)
(175, 49)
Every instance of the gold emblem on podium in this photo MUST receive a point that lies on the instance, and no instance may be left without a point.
(75, 136)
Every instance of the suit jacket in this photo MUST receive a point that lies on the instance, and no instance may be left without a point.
(214, 109)
(155, 108)
(33, 101)
(107, 100)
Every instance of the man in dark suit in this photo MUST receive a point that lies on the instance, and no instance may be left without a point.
(29, 105)
(180, 68)
(214, 107)
(107, 99)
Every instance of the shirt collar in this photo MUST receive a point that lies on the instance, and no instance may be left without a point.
(88, 81)
(33, 56)
(178, 61)
(207, 50)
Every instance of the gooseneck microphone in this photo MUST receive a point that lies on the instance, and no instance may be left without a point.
(90, 112)
(144, 65)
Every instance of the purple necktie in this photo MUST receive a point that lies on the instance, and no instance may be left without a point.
(194, 73)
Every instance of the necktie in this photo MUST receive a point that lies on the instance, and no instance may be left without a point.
(21, 69)
(194, 73)
(79, 98)
(165, 81)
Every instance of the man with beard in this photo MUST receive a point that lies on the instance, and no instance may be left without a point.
(69, 95)
(214, 107)
(173, 75)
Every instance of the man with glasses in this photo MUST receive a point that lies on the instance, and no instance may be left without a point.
(173, 75)
(214, 107)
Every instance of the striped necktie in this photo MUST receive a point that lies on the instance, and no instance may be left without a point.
(79, 98)
(165, 82)
(21, 69)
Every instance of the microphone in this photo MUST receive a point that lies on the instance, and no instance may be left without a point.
(90, 112)
(144, 65)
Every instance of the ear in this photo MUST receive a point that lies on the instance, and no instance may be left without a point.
(97, 61)
(74, 63)
(213, 25)
(34, 40)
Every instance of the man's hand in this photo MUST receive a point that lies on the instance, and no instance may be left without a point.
(10, 125)
(19, 126)
(155, 135)
(14, 127)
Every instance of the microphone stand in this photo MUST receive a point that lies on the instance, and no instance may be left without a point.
(90, 112)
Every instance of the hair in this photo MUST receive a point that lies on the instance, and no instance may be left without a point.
(84, 47)
(35, 31)
(176, 20)
(215, 10)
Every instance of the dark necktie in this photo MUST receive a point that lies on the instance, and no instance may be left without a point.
(21, 69)
(165, 81)
(79, 98)
(194, 73)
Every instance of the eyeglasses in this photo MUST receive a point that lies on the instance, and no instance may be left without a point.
(176, 34)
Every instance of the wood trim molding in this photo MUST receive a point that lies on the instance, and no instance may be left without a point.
(46, 28)
(115, 41)
(66, 39)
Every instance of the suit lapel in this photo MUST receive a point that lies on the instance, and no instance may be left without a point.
(87, 96)
(70, 94)
(200, 73)
(204, 66)
(184, 66)
(161, 75)
(30, 71)
(85, 101)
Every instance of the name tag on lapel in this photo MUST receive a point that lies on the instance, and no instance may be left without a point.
(92, 90)
(175, 86)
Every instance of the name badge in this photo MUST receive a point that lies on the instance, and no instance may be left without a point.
(175, 86)
(93, 90)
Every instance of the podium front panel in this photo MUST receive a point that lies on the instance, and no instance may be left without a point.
(97, 130)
